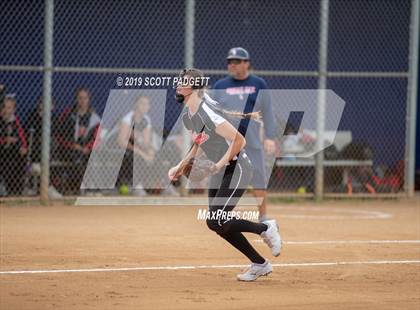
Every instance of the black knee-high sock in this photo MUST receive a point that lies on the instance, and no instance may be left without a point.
(246, 226)
(239, 241)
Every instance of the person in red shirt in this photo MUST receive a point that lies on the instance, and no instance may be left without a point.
(78, 128)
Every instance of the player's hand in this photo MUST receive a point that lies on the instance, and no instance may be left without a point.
(269, 146)
(146, 155)
(174, 173)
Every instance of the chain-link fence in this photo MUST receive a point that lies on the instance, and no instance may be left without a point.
(369, 50)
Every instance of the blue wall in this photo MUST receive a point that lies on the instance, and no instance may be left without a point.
(280, 35)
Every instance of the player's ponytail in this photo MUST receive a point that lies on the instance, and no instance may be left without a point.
(195, 73)
(256, 116)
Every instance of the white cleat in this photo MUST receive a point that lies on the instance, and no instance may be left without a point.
(272, 237)
(255, 271)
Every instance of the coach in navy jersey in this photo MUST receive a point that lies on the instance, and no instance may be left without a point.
(237, 86)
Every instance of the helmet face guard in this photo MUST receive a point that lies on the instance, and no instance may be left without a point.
(190, 77)
(180, 98)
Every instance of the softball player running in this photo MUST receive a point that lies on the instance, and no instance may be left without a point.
(237, 87)
(232, 172)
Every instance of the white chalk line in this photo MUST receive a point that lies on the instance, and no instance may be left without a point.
(349, 242)
(147, 268)
(330, 217)
(337, 213)
(348, 213)
(344, 213)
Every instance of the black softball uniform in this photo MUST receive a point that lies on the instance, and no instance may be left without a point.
(228, 185)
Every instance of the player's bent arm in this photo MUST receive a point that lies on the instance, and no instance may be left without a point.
(147, 138)
(227, 131)
(124, 135)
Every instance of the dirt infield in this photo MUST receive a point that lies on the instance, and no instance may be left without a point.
(336, 255)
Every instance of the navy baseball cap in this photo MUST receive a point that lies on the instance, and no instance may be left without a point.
(238, 53)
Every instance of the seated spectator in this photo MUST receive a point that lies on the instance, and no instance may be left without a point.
(135, 135)
(33, 131)
(13, 148)
(169, 155)
(76, 136)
